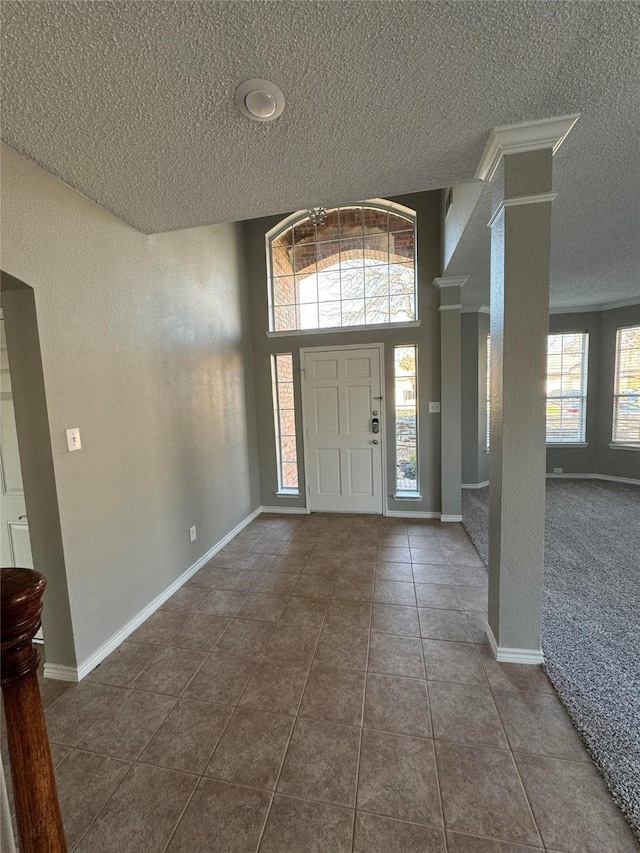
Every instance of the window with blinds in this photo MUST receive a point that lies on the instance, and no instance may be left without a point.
(488, 391)
(626, 392)
(567, 355)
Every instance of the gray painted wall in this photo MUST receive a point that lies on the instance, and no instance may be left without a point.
(616, 463)
(145, 347)
(475, 460)
(597, 457)
(36, 463)
(464, 198)
(427, 336)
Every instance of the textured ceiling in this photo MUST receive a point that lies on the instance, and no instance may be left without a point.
(132, 103)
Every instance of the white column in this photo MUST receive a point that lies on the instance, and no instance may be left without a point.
(450, 396)
(520, 266)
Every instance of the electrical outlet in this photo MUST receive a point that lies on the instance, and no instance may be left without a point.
(192, 533)
(434, 408)
(558, 470)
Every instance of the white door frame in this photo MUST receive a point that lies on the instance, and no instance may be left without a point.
(305, 418)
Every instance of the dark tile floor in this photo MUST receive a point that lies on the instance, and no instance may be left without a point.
(323, 685)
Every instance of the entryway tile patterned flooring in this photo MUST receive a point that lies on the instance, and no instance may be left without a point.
(323, 685)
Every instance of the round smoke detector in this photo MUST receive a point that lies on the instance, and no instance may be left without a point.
(259, 100)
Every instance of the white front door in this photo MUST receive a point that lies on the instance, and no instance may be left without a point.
(343, 398)
(15, 546)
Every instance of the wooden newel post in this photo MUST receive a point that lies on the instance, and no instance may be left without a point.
(37, 809)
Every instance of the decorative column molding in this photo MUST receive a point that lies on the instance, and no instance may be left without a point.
(521, 138)
(520, 265)
(450, 281)
(451, 396)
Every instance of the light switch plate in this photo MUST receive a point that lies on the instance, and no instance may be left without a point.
(192, 533)
(434, 408)
(73, 439)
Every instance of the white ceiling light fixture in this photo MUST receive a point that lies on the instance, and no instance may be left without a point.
(259, 100)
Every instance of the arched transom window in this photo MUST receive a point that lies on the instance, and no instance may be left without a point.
(343, 266)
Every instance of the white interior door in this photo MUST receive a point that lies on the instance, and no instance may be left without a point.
(15, 546)
(342, 390)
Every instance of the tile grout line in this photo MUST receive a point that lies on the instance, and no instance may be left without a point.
(295, 723)
(515, 764)
(135, 761)
(364, 701)
(435, 754)
(233, 707)
(259, 658)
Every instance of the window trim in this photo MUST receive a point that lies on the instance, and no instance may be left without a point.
(617, 444)
(581, 441)
(344, 329)
(282, 491)
(301, 215)
(406, 494)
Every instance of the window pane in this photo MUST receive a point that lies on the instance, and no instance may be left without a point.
(328, 314)
(402, 308)
(375, 219)
(284, 290)
(626, 405)
(377, 309)
(285, 318)
(284, 419)
(566, 387)
(353, 312)
(352, 249)
(353, 255)
(406, 419)
(329, 286)
(376, 281)
(352, 282)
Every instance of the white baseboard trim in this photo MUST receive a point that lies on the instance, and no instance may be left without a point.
(400, 513)
(69, 673)
(504, 654)
(286, 510)
(475, 485)
(60, 672)
(608, 477)
(451, 518)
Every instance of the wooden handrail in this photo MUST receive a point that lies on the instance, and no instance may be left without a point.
(37, 810)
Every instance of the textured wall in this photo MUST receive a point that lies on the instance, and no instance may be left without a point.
(145, 348)
(617, 463)
(427, 336)
(475, 460)
(36, 463)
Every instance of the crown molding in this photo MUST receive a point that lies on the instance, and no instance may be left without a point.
(584, 309)
(476, 309)
(450, 281)
(565, 309)
(517, 201)
(523, 137)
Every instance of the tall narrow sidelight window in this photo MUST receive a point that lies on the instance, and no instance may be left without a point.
(285, 422)
(567, 355)
(626, 392)
(406, 404)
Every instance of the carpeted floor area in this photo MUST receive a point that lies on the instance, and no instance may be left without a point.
(591, 621)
